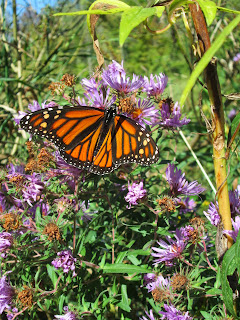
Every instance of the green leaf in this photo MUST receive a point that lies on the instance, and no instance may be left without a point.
(121, 256)
(134, 260)
(52, 274)
(207, 57)
(206, 315)
(209, 10)
(214, 291)
(83, 12)
(124, 304)
(109, 7)
(235, 123)
(229, 264)
(228, 10)
(159, 11)
(131, 18)
(123, 268)
(61, 302)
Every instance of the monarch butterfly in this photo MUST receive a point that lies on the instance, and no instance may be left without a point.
(91, 138)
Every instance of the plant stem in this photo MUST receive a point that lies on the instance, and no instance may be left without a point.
(218, 135)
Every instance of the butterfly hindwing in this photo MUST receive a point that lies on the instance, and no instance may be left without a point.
(133, 143)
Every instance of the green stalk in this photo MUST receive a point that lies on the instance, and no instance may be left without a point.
(17, 43)
(218, 135)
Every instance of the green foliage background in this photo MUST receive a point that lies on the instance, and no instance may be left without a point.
(52, 46)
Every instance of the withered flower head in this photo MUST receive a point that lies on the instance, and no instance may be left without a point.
(26, 297)
(53, 232)
(10, 221)
(57, 88)
(179, 282)
(41, 164)
(160, 295)
(127, 105)
(167, 204)
(17, 179)
(69, 80)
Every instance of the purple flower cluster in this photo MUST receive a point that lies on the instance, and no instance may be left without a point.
(150, 316)
(171, 313)
(155, 85)
(236, 58)
(69, 315)
(6, 241)
(158, 282)
(33, 188)
(6, 295)
(171, 250)
(135, 193)
(66, 261)
(179, 185)
(172, 119)
(236, 226)
(212, 213)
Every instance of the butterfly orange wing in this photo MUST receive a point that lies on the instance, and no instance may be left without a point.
(74, 130)
(133, 143)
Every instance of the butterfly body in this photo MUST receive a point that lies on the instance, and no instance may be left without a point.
(91, 138)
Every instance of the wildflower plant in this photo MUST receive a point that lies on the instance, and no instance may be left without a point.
(137, 243)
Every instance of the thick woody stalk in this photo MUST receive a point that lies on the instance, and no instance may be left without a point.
(218, 134)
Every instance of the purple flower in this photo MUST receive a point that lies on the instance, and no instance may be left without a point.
(3, 202)
(81, 101)
(185, 205)
(6, 240)
(68, 173)
(234, 200)
(144, 113)
(150, 316)
(19, 116)
(89, 84)
(179, 185)
(11, 314)
(160, 283)
(67, 316)
(168, 252)
(65, 261)
(187, 232)
(238, 190)
(236, 58)
(149, 277)
(115, 77)
(135, 192)
(116, 68)
(213, 214)
(232, 113)
(6, 294)
(171, 119)
(155, 89)
(171, 313)
(33, 189)
(236, 226)
(99, 99)
(15, 170)
(44, 209)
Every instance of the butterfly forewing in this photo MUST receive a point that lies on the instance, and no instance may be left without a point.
(93, 139)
